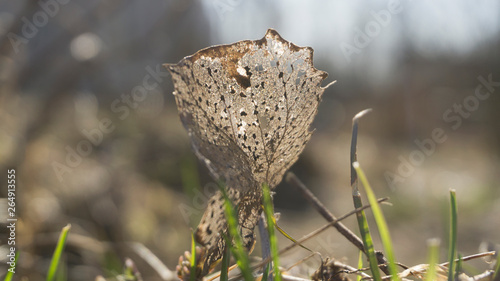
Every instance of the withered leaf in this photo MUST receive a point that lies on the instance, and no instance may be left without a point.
(247, 108)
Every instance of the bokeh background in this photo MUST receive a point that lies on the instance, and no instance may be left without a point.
(88, 121)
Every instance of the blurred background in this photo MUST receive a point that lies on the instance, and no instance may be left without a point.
(88, 121)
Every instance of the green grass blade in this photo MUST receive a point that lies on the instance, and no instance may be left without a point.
(56, 257)
(237, 248)
(356, 196)
(192, 275)
(458, 267)
(268, 210)
(433, 259)
(360, 265)
(10, 274)
(128, 272)
(365, 233)
(497, 269)
(368, 242)
(289, 237)
(381, 222)
(224, 271)
(453, 235)
(265, 273)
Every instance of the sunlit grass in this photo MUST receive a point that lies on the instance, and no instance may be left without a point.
(433, 259)
(269, 211)
(368, 243)
(192, 276)
(360, 265)
(10, 274)
(381, 223)
(366, 236)
(236, 247)
(56, 257)
(356, 196)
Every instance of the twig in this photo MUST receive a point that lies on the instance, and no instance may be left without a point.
(316, 232)
(303, 260)
(217, 275)
(351, 270)
(326, 226)
(153, 261)
(445, 264)
(475, 256)
(287, 277)
(348, 234)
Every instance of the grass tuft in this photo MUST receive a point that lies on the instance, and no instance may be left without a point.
(269, 212)
(10, 274)
(365, 234)
(458, 266)
(236, 247)
(224, 271)
(381, 223)
(265, 273)
(192, 261)
(367, 241)
(56, 257)
(356, 197)
(360, 265)
(433, 259)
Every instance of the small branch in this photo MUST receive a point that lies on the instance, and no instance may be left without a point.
(153, 261)
(316, 232)
(348, 234)
(475, 256)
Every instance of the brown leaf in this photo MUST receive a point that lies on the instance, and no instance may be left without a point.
(247, 108)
